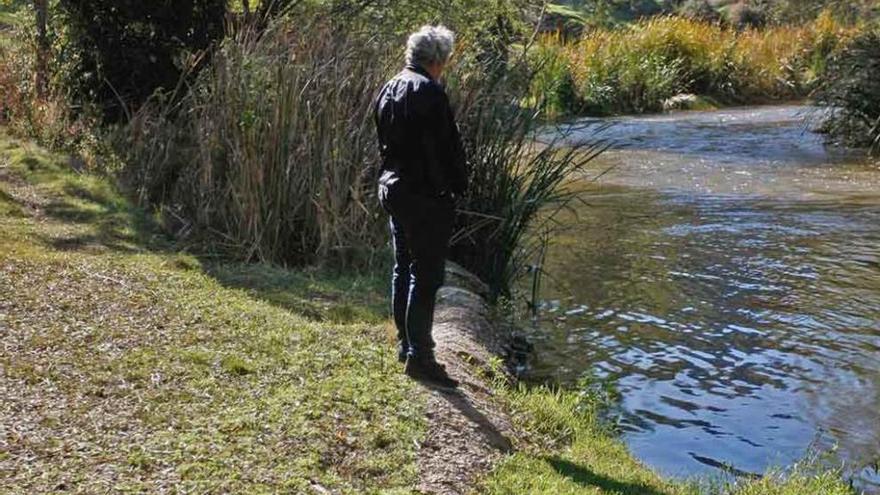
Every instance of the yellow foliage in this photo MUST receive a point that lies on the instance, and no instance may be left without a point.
(635, 68)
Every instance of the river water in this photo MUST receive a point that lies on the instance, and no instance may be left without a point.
(725, 275)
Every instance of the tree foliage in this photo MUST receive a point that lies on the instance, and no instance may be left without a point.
(126, 49)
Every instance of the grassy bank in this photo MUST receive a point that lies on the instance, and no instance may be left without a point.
(638, 68)
(129, 366)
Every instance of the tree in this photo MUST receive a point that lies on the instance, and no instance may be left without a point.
(41, 10)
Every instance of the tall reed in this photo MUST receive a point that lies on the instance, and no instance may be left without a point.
(271, 154)
(274, 147)
(520, 176)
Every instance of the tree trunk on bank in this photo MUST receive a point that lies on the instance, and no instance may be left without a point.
(41, 8)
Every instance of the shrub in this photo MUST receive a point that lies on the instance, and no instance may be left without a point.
(271, 154)
(519, 175)
(45, 118)
(552, 86)
(15, 81)
(851, 91)
(635, 69)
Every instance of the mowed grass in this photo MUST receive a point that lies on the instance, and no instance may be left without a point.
(127, 366)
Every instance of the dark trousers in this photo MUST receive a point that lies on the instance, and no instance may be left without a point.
(420, 231)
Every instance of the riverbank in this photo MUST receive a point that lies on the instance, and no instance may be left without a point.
(131, 366)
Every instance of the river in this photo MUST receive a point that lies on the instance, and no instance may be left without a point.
(725, 275)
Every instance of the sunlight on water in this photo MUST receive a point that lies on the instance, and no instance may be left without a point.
(726, 274)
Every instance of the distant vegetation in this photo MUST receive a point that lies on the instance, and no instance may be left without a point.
(754, 13)
(631, 56)
(638, 67)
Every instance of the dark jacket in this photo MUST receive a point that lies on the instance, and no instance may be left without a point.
(419, 141)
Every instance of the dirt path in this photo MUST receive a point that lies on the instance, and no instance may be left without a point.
(468, 431)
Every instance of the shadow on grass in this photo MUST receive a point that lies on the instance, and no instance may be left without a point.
(587, 478)
(317, 294)
(88, 213)
(107, 221)
(460, 401)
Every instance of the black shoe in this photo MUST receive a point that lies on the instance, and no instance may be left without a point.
(402, 351)
(429, 370)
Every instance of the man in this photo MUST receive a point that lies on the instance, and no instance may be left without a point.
(423, 169)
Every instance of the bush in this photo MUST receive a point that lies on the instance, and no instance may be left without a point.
(124, 50)
(271, 154)
(636, 69)
(519, 174)
(851, 91)
(45, 118)
(801, 11)
(552, 87)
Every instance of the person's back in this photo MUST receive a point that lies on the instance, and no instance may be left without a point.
(423, 168)
(418, 139)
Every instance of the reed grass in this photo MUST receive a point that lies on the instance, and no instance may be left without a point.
(518, 179)
(271, 151)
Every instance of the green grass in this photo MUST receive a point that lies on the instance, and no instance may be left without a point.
(571, 452)
(128, 366)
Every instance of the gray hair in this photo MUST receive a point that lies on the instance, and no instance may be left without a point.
(430, 45)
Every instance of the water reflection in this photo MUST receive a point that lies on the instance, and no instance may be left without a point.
(739, 315)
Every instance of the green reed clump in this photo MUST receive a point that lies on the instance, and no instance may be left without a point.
(852, 93)
(519, 173)
(552, 81)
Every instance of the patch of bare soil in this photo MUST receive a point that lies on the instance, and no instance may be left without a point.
(468, 430)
